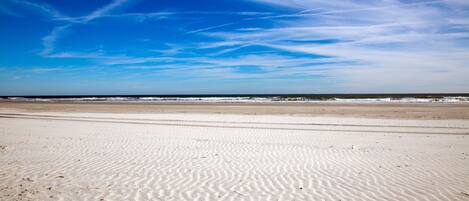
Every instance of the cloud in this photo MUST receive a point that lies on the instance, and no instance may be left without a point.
(104, 10)
(414, 42)
(354, 9)
(41, 7)
(45, 70)
(210, 28)
(357, 45)
(49, 41)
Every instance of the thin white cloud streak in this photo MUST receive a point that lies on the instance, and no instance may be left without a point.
(378, 8)
(163, 15)
(169, 13)
(46, 70)
(44, 8)
(104, 10)
(50, 40)
(210, 28)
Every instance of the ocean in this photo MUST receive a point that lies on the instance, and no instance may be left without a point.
(254, 98)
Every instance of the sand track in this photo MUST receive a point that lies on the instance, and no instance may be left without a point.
(363, 128)
(221, 157)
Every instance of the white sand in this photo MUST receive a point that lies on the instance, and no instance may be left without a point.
(85, 156)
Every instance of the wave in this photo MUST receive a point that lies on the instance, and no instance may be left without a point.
(247, 99)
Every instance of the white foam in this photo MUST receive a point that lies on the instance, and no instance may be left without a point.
(245, 99)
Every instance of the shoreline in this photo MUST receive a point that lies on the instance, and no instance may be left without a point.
(365, 110)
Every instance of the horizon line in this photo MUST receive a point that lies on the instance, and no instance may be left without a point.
(233, 94)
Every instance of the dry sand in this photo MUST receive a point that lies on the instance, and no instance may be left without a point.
(68, 151)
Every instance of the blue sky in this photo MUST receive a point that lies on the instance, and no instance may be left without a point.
(247, 46)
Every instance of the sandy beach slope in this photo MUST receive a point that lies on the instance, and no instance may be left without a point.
(116, 155)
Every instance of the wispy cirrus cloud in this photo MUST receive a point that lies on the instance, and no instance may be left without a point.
(50, 40)
(354, 9)
(353, 45)
(42, 8)
(104, 10)
(45, 69)
(388, 38)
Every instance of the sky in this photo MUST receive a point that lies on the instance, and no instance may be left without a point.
(111, 47)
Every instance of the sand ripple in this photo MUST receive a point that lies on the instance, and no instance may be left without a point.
(218, 157)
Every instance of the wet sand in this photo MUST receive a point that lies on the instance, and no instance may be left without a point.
(385, 110)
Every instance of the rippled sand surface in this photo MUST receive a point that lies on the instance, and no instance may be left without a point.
(105, 156)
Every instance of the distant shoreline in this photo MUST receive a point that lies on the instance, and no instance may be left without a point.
(325, 95)
(253, 98)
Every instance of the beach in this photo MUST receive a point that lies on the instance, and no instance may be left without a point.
(184, 151)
